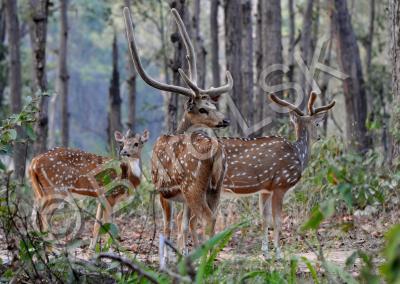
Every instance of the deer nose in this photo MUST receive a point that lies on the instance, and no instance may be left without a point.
(124, 153)
(226, 122)
(223, 123)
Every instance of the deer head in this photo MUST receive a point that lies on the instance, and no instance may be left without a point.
(200, 109)
(307, 122)
(131, 144)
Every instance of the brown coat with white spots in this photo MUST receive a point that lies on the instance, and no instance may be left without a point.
(190, 168)
(62, 172)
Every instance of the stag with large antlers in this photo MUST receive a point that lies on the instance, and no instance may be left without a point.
(187, 168)
(270, 166)
(62, 172)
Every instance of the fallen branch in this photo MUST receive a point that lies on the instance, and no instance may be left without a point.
(125, 261)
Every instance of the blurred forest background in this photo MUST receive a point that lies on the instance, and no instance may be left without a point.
(77, 54)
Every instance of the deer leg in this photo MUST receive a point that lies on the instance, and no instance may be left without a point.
(277, 199)
(193, 229)
(265, 212)
(96, 228)
(168, 211)
(197, 203)
(184, 229)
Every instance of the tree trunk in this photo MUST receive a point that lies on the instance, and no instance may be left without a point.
(353, 87)
(15, 81)
(38, 33)
(200, 49)
(259, 100)
(394, 10)
(271, 26)
(3, 53)
(114, 116)
(368, 59)
(233, 53)
(214, 43)
(131, 87)
(306, 46)
(63, 76)
(247, 48)
(292, 39)
(174, 103)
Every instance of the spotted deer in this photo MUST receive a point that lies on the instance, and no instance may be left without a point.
(270, 166)
(65, 172)
(188, 166)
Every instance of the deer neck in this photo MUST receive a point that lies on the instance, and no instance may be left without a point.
(186, 124)
(303, 144)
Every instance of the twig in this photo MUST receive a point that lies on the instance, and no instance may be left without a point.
(125, 261)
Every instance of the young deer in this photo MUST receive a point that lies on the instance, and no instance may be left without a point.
(186, 167)
(270, 166)
(62, 172)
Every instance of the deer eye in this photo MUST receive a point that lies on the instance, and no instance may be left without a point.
(203, 110)
(317, 124)
(136, 144)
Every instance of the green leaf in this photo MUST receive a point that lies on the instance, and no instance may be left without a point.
(12, 134)
(109, 228)
(346, 194)
(313, 272)
(318, 214)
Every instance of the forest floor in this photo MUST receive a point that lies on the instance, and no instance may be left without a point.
(339, 237)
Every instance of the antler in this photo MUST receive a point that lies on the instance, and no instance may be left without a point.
(190, 79)
(310, 108)
(311, 101)
(286, 104)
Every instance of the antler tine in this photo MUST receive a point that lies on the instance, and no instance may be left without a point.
(214, 92)
(283, 103)
(311, 101)
(324, 108)
(191, 56)
(189, 82)
(136, 61)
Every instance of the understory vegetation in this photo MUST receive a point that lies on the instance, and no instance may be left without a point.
(336, 189)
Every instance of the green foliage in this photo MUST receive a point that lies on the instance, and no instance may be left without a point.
(345, 177)
(24, 119)
(391, 268)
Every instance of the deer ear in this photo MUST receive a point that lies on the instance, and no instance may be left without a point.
(319, 117)
(294, 117)
(145, 136)
(119, 137)
(189, 105)
(215, 98)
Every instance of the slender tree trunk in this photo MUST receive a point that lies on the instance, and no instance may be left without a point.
(368, 58)
(354, 88)
(306, 45)
(292, 39)
(214, 43)
(259, 100)
(63, 76)
(371, 29)
(247, 48)
(394, 10)
(174, 102)
(15, 81)
(131, 87)
(38, 33)
(233, 52)
(114, 96)
(271, 29)
(201, 52)
(3, 53)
